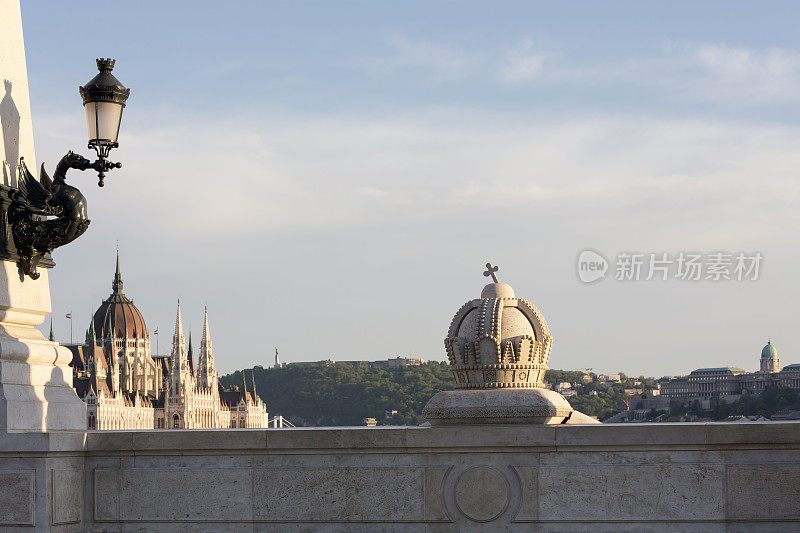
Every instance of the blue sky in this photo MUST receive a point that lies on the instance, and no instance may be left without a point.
(331, 177)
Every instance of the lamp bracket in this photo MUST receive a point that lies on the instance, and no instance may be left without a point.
(103, 165)
(34, 235)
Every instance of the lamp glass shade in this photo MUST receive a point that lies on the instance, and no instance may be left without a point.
(103, 119)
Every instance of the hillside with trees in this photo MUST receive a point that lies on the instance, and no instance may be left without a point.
(344, 393)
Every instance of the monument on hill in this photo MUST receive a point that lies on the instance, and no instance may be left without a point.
(498, 346)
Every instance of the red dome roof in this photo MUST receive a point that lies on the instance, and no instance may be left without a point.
(125, 318)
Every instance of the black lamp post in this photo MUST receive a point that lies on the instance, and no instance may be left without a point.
(26, 208)
(104, 98)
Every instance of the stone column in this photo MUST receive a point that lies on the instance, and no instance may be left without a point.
(36, 391)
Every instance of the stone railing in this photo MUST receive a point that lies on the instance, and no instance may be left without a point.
(668, 477)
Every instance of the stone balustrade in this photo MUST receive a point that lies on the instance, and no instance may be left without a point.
(654, 477)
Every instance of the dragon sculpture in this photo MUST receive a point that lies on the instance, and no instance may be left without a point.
(34, 234)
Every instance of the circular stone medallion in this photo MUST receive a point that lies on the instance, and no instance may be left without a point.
(481, 493)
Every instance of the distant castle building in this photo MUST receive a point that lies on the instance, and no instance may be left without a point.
(705, 383)
(125, 387)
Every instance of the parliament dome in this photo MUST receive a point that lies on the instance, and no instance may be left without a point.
(120, 312)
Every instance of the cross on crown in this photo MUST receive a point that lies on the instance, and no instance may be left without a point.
(490, 270)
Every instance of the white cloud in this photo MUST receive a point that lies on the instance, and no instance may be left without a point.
(710, 72)
(253, 175)
(718, 71)
(523, 63)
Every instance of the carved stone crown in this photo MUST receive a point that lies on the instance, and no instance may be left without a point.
(498, 341)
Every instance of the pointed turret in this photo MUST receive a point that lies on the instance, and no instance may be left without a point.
(115, 370)
(116, 285)
(207, 370)
(111, 344)
(178, 365)
(178, 341)
(190, 355)
(52, 337)
(253, 379)
(110, 337)
(91, 335)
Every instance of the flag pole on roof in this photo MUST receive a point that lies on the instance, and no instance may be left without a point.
(69, 317)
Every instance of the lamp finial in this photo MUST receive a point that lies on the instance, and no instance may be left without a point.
(105, 64)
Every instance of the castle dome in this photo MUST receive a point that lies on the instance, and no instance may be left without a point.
(119, 311)
(769, 351)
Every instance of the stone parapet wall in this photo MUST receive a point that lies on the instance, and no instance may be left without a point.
(667, 477)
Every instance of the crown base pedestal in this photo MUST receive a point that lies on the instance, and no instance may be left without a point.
(497, 406)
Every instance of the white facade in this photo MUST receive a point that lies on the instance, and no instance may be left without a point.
(125, 387)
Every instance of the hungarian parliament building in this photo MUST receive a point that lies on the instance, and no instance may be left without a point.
(124, 386)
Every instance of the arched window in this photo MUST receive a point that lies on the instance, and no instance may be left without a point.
(176, 422)
(92, 421)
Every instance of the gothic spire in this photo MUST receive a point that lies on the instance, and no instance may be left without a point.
(206, 340)
(117, 285)
(178, 360)
(190, 355)
(52, 337)
(178, 335)
(109, 329)
(207, 371)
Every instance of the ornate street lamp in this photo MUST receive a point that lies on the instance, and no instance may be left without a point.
(104, 98)
(28, 207)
